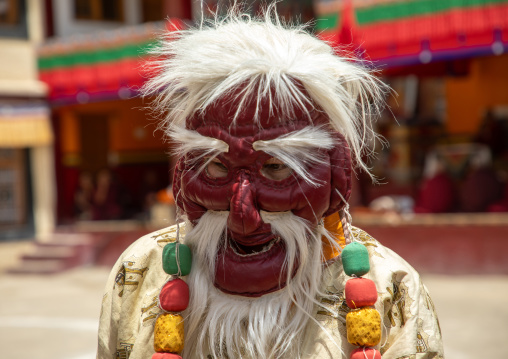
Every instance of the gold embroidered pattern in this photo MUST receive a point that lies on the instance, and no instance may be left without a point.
(166, 237)
(333, 311)
(422, 338)
(124, 350)
(151, 311)
(329, 305)
(128, 276)
(399, 312)
(367, 240)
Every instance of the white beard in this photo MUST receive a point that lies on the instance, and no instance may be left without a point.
(270, 326)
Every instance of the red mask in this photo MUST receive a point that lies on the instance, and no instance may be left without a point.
(244, 181)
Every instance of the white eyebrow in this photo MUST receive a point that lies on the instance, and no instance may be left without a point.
(207, 147)
(187, 141)
(299, 150)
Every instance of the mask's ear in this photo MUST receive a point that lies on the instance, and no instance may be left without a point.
(340, 160)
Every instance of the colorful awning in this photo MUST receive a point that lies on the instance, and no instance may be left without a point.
(103, 65)
(402, 32)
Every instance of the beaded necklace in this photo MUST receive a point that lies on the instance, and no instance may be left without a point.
(363, 322)
(173, 298)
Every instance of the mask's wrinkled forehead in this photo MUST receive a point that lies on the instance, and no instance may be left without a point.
(237, 110)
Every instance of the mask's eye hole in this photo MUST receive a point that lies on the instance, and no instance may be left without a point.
(216, 169)
(276, 170)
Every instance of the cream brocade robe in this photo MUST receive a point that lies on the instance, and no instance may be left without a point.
(409, 322)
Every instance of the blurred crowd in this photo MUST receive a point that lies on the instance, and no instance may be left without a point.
(103, 197)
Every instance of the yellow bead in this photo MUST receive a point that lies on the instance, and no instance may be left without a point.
(364, 327)
(168, 333)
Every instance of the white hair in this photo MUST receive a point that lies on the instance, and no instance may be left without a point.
(263, 59)
(294, 150)
(205, 148)
(271, 326)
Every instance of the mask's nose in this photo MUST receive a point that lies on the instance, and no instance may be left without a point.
(244, 217)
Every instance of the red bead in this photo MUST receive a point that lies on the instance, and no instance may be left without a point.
(364, 352)
(166, 356)
(174, 296)
(360, 292)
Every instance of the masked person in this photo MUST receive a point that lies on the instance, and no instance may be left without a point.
(267, 122)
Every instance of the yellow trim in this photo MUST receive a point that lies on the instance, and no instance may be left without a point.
(146, 309)
(150, 317)
(136, 271)
(25, 131)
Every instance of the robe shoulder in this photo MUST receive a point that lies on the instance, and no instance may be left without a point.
(130, 302)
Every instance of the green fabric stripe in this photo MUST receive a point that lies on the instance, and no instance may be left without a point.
(405, 9)
(94, 56)
(330, 21)
(398, 10)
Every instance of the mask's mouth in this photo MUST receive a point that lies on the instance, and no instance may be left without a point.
(252, 266)
(245, 250)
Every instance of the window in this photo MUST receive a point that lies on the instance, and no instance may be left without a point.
(153, 10)
(101, 10)
(9, 12)
(13, 19)
(156, 10)
(13, 207)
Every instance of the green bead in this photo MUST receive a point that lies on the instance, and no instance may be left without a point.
(176, 259)
(355, 259)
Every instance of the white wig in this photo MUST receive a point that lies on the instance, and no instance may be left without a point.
(265, 59)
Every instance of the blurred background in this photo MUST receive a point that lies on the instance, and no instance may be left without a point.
(84, 170)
